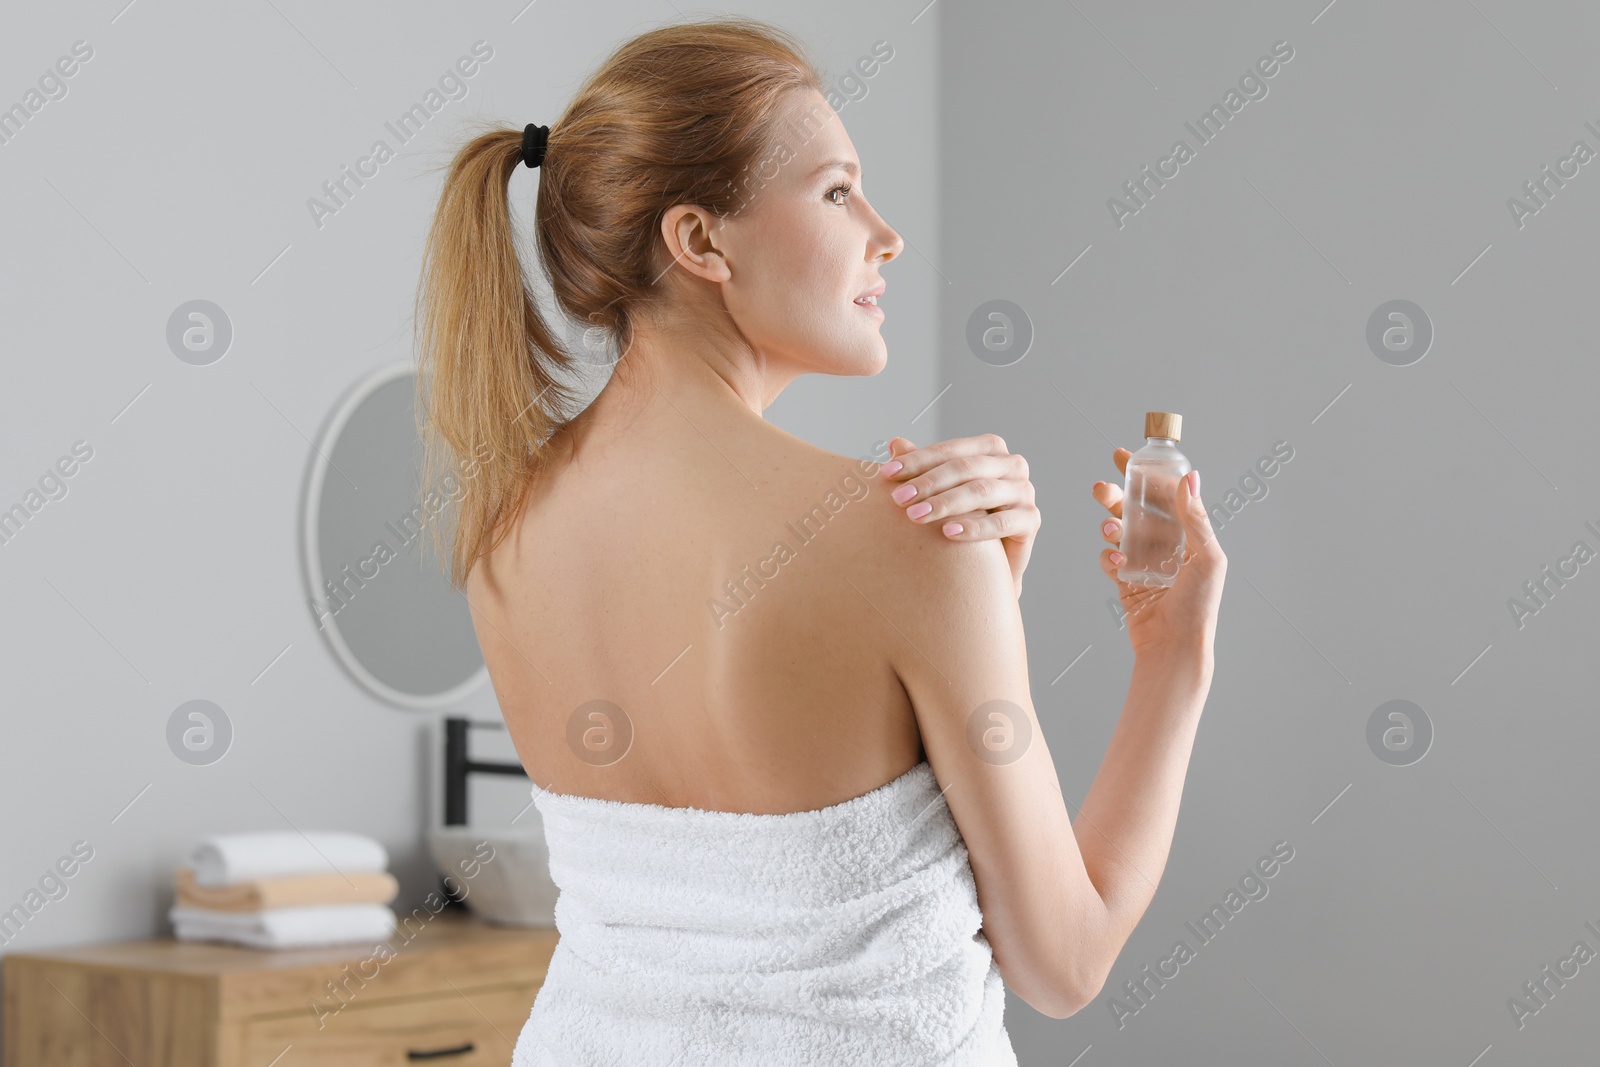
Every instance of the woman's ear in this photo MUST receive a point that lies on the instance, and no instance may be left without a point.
(694, 236)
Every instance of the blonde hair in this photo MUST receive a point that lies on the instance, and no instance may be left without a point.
(683, 114)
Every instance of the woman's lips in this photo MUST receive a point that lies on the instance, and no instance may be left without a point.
(870, 308)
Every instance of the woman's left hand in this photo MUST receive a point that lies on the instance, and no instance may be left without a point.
(972, 483)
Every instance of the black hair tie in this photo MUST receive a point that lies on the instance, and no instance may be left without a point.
(534, 139)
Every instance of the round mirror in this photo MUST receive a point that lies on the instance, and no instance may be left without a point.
(379, 594)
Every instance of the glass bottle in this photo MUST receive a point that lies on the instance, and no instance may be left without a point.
(1152, 531)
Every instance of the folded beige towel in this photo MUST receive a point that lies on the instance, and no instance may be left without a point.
(289, 891)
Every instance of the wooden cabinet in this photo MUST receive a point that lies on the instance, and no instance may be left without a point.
(447, 989)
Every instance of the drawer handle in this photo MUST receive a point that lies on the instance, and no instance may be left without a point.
(433, 1054)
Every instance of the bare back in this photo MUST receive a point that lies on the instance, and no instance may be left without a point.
(713, 583)
(780, 637)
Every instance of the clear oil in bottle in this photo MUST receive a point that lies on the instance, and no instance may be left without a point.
(1152, 531)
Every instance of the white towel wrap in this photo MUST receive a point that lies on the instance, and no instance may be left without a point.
(222, 859)
(839, 936)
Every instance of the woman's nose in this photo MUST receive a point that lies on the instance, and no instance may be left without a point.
(892, 246)
(895, 248)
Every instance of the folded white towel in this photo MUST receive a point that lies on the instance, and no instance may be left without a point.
(314, 924)
(223, 859)
(848, 936)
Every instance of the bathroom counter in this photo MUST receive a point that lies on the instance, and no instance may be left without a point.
(447, 987)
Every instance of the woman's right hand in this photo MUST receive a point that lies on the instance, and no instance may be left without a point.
(1180, 618)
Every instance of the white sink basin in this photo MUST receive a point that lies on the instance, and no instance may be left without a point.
(504, 872)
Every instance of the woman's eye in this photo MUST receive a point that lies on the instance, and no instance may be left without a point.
(845, 188)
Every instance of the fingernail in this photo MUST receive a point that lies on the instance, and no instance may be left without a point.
(916, 511)
(904, 493)
(1194, 484)
(1109, 528)
(1117, 559)
(952, 528)
(892, 467)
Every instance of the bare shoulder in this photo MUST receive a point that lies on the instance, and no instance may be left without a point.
(806, 459)
(813, 478)
(918, 558)
(907, 575)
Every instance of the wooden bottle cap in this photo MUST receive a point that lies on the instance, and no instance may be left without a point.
(1163, 424)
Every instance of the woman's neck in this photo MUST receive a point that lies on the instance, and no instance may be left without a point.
(668, 382)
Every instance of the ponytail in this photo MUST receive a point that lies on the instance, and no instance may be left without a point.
(485, 357)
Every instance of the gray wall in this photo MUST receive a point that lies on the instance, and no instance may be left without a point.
(1379, 562)
(1376, 564)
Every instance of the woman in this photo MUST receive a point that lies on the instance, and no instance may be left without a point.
(794, 789)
